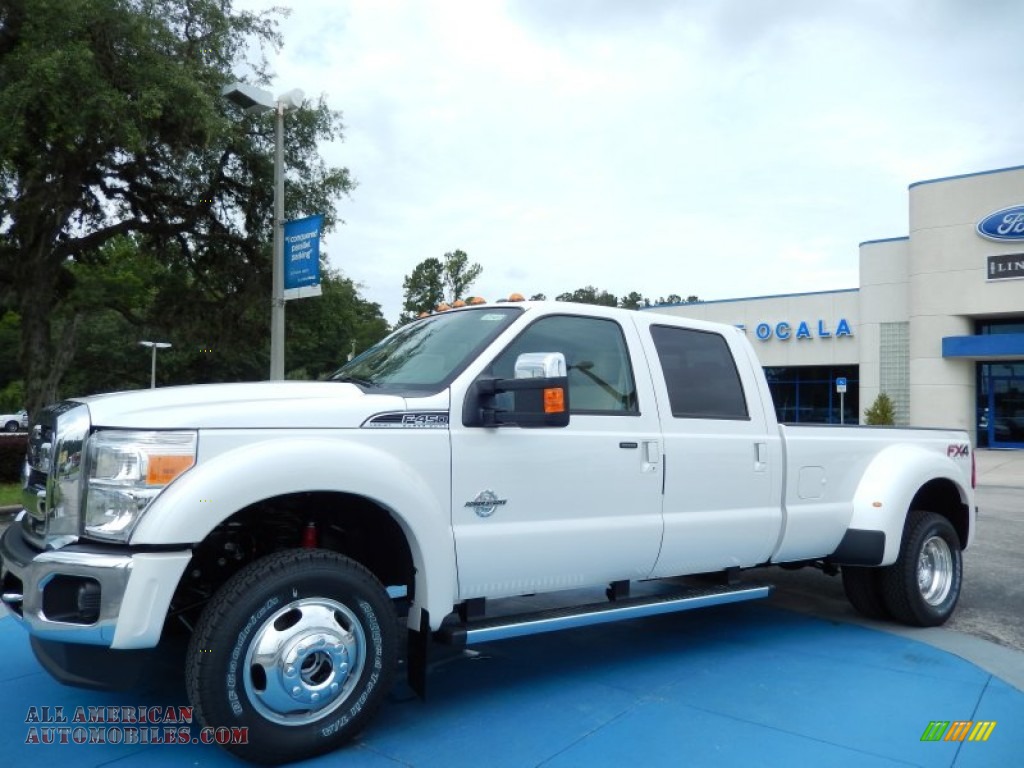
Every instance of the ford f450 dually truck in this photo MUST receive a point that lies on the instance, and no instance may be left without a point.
(474, 455)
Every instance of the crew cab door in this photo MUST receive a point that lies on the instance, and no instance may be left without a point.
(723, 468)
(542, 509)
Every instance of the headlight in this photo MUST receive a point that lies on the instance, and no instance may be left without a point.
(126, 472)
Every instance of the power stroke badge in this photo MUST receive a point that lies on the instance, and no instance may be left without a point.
(485, 503)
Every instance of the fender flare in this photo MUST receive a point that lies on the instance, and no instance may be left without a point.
(213, 490)
(888, 486)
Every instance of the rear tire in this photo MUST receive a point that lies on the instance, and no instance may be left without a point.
(923, 586)
(863, 587)
(299, 648)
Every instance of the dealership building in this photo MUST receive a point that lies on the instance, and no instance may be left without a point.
(937, 322)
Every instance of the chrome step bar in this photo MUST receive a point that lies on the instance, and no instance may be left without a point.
(505, 627)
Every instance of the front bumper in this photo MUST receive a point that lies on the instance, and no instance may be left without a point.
(90, 594)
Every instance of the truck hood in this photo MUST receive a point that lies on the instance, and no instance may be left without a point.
(271, 404)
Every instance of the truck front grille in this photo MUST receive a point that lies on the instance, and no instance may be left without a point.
(51, 478)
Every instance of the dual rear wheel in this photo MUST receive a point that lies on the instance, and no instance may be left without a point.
(922, 587)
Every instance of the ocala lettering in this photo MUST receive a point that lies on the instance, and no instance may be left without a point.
(785, 331)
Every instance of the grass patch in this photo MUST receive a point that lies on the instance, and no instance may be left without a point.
(10, 494)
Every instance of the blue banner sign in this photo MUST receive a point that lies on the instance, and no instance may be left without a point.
(302, 257)
(1007, 224)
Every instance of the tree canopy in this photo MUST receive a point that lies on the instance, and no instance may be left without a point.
(127, 181)
(632, 300)
(434, 281)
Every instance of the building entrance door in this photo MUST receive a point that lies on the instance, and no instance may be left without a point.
(1001, 395)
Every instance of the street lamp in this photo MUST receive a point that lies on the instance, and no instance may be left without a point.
(154, 345)
(257, 101)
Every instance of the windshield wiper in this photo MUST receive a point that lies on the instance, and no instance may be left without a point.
(347, 378)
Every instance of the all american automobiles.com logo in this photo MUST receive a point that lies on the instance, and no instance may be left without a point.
(124, 725)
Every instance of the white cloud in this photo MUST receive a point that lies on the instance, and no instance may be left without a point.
(720, 149)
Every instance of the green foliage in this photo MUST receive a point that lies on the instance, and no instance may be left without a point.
(12, 456)
(589, 295)
(12, 396)
(634, 300)
(10, 338)
(675, 298)
(433, 281)
(459, 275)
(424, 289)
(10, 493)
(323, 332)
(881, 411)
(115, 139)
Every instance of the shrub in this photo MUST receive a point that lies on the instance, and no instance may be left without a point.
(881, 411)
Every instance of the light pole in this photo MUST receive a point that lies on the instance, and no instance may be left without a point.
(257, 101)
(154, 345)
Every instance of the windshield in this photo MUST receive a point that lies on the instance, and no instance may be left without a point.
(427, 354)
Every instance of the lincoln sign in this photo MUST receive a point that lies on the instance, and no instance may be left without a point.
(1005, 267)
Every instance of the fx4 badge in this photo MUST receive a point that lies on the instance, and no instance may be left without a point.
(485, 503)
(958, 450)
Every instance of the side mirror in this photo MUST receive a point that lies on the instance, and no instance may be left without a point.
(537, 397)
(542, 365)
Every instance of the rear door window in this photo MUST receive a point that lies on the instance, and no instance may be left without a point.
(700, 374)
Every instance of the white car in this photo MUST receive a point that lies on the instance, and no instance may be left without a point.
(15, 422)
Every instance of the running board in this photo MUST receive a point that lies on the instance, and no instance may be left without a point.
(504, 627)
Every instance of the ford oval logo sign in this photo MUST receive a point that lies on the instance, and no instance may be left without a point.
(1007, 224)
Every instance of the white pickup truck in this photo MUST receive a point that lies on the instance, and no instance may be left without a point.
(512, 449)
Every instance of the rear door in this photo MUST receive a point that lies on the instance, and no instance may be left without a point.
(722, 467)
(541, 509)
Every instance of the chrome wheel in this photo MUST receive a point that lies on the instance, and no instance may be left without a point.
(935, 570)
(304, 661)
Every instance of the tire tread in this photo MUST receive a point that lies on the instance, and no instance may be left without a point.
(247, 580)
(899, 580)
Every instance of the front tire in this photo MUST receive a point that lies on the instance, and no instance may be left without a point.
(922, 587)
(299, 647)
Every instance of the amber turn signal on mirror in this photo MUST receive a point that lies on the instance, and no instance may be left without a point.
(554, 400)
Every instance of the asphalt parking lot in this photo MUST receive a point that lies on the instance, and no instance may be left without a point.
(797, 679)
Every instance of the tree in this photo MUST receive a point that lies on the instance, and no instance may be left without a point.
(424, 289)
(589, 295)
(459, 275)
(538, 297)
(634, 300)
(114, 126)
(433, 281)
(323, 332)
(675, 298)
(881, 412)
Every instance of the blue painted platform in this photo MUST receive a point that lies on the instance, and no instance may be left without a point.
(736, 685)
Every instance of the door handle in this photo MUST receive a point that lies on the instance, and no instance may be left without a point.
(760, 457)
(652, 456)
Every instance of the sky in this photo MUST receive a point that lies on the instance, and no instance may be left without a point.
(717, 148)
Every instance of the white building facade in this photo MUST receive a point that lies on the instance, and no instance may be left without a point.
(937, 322)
